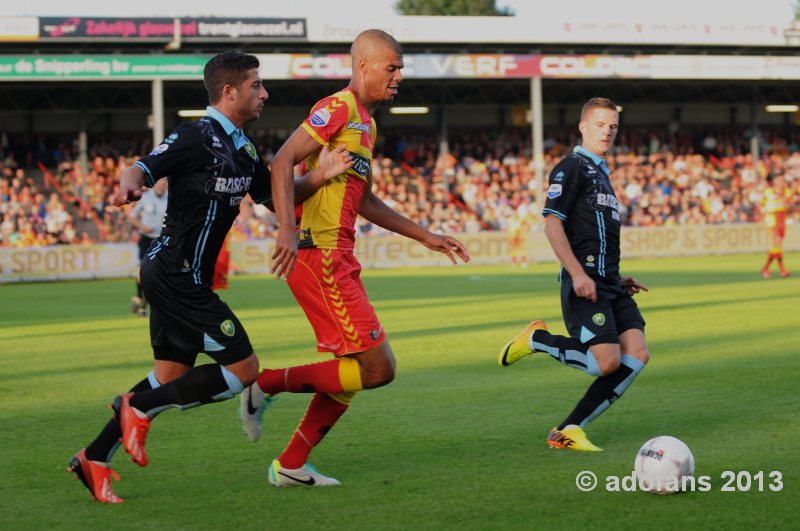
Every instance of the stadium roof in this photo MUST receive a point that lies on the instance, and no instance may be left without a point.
(622, 33)
(677, 23)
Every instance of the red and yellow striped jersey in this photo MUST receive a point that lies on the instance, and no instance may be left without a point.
(328, 218)
(776, 202)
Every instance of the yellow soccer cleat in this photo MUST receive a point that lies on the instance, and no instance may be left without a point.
(520, 346)
(571, 438)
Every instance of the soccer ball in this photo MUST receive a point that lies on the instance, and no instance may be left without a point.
(661, 465)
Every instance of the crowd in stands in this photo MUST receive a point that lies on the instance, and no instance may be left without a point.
(31, 216)
(484, 180)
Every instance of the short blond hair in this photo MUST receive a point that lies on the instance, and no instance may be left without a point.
(597, 103)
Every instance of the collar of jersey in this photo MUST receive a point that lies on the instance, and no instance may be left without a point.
(235, 133)
(600, 162)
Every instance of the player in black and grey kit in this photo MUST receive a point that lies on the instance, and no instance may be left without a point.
(211, 166)
(606, 328)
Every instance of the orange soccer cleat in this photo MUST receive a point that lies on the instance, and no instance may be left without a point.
(134, 428)
(95, 476)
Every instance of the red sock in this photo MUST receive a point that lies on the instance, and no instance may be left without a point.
(321, 415)
(320, 377)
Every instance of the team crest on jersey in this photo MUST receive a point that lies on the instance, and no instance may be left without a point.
(599, 319)
(321, 117)
(227, 327)
(161, 148)
(554, 191)
(251, 150)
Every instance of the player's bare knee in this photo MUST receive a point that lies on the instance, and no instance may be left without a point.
(642, 355)
(246, 370)
(608, 365)
(377, 377)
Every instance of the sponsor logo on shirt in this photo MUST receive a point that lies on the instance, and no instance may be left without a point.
(554, 191)
(320, 117)
(607, 200)
(215, 142)
(361, 165)
(559, 177)
(364, 128)
(171, 138)
(232, 185)
(161, 148)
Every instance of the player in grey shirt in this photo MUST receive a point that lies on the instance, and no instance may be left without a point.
(147, 217)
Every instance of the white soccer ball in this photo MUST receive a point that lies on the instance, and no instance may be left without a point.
(664, 465)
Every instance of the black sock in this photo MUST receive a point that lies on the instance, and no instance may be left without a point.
(569, 351)
(200, 385)
(603, 392)
(103, 447)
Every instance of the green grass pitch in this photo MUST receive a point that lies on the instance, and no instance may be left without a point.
(455, 442)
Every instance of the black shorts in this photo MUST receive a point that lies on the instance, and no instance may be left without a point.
(144, 244)
(186, 319)
(593, 323)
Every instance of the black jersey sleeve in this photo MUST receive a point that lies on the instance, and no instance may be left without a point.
(563, 188)
(180, 153)
(261, 189)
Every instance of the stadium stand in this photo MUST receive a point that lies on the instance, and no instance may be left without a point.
(661, 178)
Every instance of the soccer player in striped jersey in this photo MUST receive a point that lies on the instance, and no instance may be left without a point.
(325, 278)
(606, 329)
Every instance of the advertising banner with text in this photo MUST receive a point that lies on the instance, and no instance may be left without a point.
(510, 66)
(254, 256)
(67, 262)
(492, 247)
(131, 29)
(101, 67)
(417, 66)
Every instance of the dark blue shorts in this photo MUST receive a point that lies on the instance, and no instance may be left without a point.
(187, 318)
(594, 323)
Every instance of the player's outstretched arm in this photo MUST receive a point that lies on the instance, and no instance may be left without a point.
(378, 212)
(131, 183)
